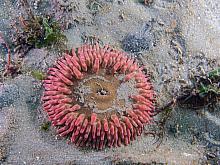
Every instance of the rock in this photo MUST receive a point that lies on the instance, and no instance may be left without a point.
(133, 44)
(139, 41)
(39, 59)
(8, 94)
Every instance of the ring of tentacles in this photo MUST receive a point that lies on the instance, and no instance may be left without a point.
(98, 97)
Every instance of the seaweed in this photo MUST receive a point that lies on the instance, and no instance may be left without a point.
(45, 126)
(31, 31)
(205, 91)
(11, 68)
(157, 129)
(38, 75)
(34, 31)
(38, 32)
(214, 74)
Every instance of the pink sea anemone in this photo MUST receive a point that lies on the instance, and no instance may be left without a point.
(84, 100)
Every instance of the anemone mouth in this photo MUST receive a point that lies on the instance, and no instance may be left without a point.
(98, 97)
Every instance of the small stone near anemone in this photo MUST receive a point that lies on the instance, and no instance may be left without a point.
(84, 100)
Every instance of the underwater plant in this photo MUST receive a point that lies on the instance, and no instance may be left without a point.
(38, 32)
(11, 68)
(205, 91)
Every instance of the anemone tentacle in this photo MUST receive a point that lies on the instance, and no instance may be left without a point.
(97, 118)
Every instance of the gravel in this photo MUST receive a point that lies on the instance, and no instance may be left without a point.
(8, 94)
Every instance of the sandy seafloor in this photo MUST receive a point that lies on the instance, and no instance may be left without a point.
(159, 36)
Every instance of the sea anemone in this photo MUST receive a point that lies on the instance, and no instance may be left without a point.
(98, 97)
